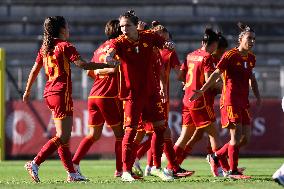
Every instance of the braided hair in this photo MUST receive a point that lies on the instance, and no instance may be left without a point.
(51, 30)
(131, 16)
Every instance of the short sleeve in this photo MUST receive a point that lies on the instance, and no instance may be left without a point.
(208, 64)
(223, 63)
(39, 59)
(174, 61)
(70, 52)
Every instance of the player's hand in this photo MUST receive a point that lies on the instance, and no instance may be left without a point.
(196, 95)
(26, 96)
(170, 45)
(141, 25)
(111, 61)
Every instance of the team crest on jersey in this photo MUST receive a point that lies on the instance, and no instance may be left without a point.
(145, 45)
(239, 64)
(245, 64)
(129, 49)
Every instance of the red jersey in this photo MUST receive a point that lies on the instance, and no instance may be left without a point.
(104, 85)
(237, 71)
(169, 60)
(154, 79)
(195, 65)
(136, 59)
(57, 68)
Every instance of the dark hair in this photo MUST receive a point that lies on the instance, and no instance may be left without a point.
(131, 16)
(112, 29)
(244, 29)
(210, 36)
(156, 26)
(222, 42)
(51, 30)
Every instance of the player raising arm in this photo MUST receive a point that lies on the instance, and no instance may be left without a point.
(237, 67)
(55, 56)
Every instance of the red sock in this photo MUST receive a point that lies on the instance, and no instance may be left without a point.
(233, 152)
(144, 147)
(223, 161)
(118, 153)
(179, 154)
(223, 151)
(157, 145)
(150, 158)
(48, 149)
(66, 158)
(209, 148)
(170, 153)
(135, 147)
(186, 152)
(127, 143)
(83, 148)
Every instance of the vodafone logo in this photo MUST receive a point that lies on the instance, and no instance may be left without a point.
(20, 127)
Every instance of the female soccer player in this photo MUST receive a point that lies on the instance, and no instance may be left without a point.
(55, 56)
(135, 49)
(198, 116)
(167, 60)
(103, 103)
(237, 67)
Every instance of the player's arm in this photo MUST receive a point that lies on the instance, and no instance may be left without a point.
(110, 58)
(218, 83)
(90, 66)
(32, 77)
(210, 82)
(254, 88)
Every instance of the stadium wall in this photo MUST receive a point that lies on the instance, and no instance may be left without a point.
(25, 136)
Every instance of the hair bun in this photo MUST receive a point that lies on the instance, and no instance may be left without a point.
(132, 12)
(155, 23)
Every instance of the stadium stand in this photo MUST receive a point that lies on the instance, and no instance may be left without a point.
(21, 27)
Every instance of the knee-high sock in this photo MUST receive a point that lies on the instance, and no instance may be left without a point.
(66, 158)
(222, 151)
(179, 154)
(127, 144)
(170, 153)
(135, 147)
(144, 147)
(157, 145)
(83, 148)
(118, 153)
(223, 161)
(49, 148)
(233, 152)
(150, 157)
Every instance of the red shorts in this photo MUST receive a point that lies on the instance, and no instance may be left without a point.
(60, 105)
(199, 118)
(234, 114)
(148, 109)
(102, 110)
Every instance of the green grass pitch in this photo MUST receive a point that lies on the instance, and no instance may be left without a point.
(100, 173)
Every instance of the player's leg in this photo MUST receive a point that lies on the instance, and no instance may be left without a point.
(95, 124)
(132, 114)
(246, 128)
